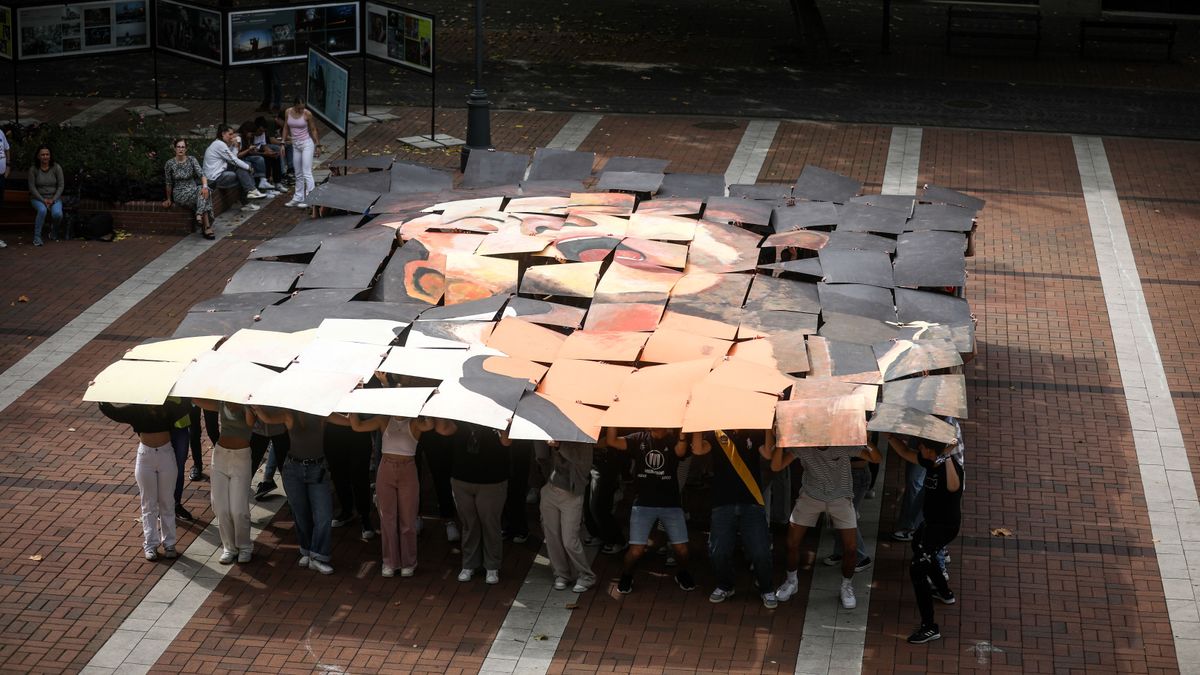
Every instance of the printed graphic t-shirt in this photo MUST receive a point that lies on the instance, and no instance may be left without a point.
(656, 470)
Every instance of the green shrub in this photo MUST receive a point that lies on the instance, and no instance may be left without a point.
(102, 163)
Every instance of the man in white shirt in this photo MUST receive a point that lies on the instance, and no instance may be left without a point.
(224, 169)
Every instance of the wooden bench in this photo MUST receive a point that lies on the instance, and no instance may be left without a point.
(1096, 32)
(973, 23)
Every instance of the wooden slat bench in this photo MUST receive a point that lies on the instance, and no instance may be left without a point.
(1097, 32)
(968, 25)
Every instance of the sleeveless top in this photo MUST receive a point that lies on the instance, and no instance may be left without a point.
(297, 127)
(233, 422)
(398, 438)
(307, 436)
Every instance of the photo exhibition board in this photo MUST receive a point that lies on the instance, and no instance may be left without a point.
(6, 33)
(328, 90)
(286, 33)
(188, 30)
(400, 35)
(51, 31)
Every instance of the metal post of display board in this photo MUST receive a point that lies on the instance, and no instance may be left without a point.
(364, 84)
(155, 50)
(224, 97)
(16, 97)
(433, 104)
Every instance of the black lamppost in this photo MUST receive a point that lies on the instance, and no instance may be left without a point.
(479, 129)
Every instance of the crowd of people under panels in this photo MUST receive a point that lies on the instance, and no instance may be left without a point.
(254, 158)
(482, 478)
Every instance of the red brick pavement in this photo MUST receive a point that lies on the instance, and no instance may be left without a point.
(1162, 215)
(1076, 588)
(1051, 455)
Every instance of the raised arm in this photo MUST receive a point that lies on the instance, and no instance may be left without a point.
(870, 453)
(953, 483)
(699, 445)
(377, 423)
(612, 440)
(207, 404)
(444, 427)
(767, 449)
(272, 416)
(901, 449)
(780, 459)
(681, 446)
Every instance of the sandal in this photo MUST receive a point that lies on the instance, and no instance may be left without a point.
(208, 234)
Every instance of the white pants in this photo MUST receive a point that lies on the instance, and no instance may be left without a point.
(231, 496)
(302, 165)
(155, 471)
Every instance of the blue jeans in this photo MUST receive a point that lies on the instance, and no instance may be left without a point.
(641, 520)
(751, 519)
(911, 506)
(235, 177)
(181, 442)
(308, 493)
(56, 215)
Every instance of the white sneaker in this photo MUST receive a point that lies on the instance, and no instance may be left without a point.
(245, 556)
(292, 202)
(322, 567)
(254, 194)
(452, 531)
(560, 584)
(264, 184)
(769, 600)
(407, 571)
(2, 244)
(719, 595)
(368, 535)
(581, 587)
(466, 575)
(786, 591)
(227, 557)
(304, 561)
(848, 599)
(388, 572)
(493, 577)
(301, 205)
(250, 207)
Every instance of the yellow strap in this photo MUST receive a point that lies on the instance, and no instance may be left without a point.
(739, 466)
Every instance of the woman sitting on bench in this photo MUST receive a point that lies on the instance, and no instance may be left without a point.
(181, 173)
(46, 185)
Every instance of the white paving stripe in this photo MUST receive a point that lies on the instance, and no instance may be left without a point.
(575, 131)
(1167, 483)
(833, 639)
(539, 610)
(751, 152)
(149, 630)
(95, 112)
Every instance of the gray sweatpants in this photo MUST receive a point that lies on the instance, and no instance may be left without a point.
(479, 508)
(561, 514)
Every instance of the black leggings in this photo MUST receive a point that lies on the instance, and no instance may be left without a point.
(350, 466)
(211, 424)
(926, 575)
(258, 449)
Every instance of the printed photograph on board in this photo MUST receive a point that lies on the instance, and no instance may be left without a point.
(189, 31)
(72, 29)
(265, 35)
(406, 39)
(328, 90)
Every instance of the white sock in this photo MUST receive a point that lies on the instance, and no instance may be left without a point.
(792, 577)
(846, 582)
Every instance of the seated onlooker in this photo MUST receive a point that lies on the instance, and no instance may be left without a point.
(271, 150)
(246, 150)
(181, 174)
(276, 135)
(224, 168)
(46, 185)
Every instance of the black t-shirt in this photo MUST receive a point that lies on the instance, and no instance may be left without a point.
(656, 468)
(727, 486)
(479, 456)
(941, 505)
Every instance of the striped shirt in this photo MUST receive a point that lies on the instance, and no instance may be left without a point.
(827, 471)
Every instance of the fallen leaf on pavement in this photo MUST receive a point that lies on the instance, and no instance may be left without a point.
(23, 298)
(1001, 532)
(36, 558)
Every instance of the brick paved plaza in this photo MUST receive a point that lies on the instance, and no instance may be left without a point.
(1098, 574)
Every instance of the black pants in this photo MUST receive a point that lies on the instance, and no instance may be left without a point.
(600, 495)
(258, 449)
(924, 571)
(441, 461)
(515, 519)
(348, 454)
(211, 424)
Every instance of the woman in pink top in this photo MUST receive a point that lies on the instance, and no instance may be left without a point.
(301, 128)
(396, 488)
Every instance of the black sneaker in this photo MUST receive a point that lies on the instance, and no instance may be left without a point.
(945, 597)
(197, 472)
(182, 513)
(264, 488)
(925, 634)
(863, 564)
(685, 580)
(614, 549)
(625, 585)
